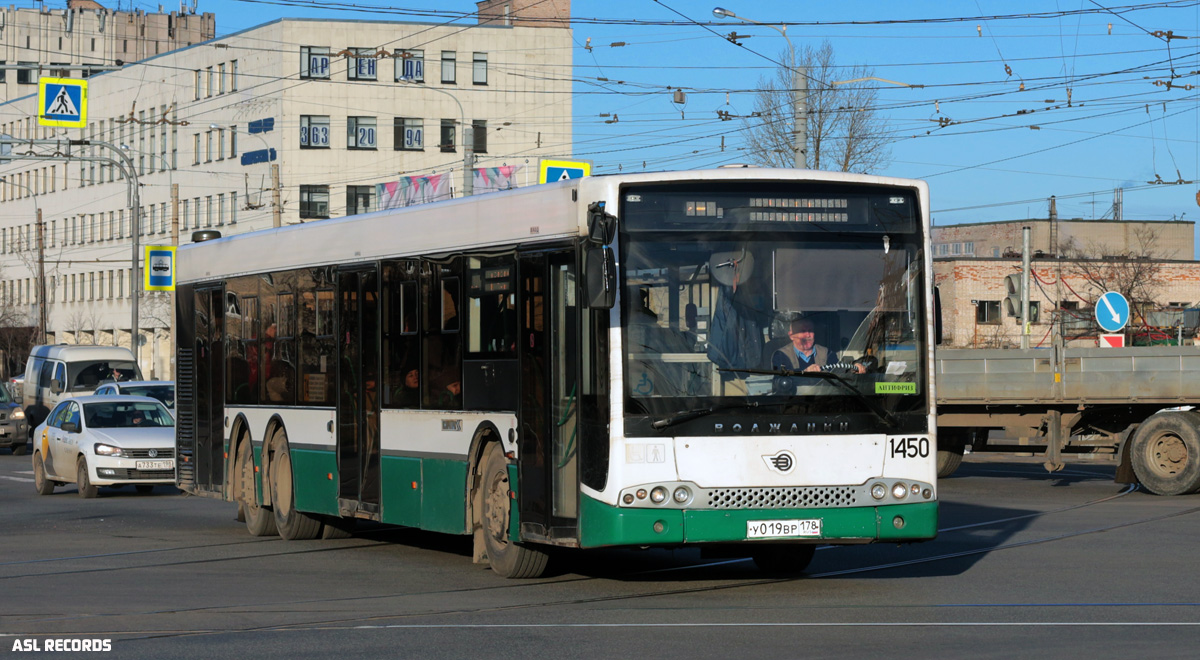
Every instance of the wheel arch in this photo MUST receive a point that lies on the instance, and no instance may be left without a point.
(239, 426)
(485, 434)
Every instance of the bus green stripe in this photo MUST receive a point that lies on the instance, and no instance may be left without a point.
(604, 525)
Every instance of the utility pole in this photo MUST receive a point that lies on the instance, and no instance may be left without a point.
(41, 240)
(175, 265)
(468, 159)
(799, 108)
(1025, 232)
(276, 208)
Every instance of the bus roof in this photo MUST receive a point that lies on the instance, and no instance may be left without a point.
(541, 213)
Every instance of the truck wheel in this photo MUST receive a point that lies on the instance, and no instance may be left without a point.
(19, 448)
(507, 558)
(259, 521)
(293, 525)
(1166, 453)
(950, 452)
(783, 559)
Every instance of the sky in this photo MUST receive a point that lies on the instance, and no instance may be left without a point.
(1007, 103)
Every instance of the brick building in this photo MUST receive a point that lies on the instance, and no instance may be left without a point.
(1154, 260)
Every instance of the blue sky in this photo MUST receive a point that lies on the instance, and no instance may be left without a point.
(1119, 129)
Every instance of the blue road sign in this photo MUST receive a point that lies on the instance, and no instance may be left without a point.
(62, 102)
(1112, 311)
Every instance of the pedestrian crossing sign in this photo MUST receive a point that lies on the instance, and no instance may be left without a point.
(550, 171)
(62, 102)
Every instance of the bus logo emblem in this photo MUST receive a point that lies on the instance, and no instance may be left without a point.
(782, 462)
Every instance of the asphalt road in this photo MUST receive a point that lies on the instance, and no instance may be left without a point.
(1064, 565)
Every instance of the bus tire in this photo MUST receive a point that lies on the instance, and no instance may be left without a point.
(259, 521)
(292, 524)
(508, 559)
(43, 485)
(1166, 453)
(86, 489)
(781, 559)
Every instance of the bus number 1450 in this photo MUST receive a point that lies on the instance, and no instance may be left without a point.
(909, 447)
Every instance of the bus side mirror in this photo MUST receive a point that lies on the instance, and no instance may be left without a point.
(56, 386)
(602, 227)
(600, 277)
(937, 316)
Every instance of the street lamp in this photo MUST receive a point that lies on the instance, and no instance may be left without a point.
(799, 88)
(276, 209)
(468, 184)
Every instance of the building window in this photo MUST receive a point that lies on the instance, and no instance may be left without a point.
(196, 148)
(233, 141)
(987, 312)
(314, 201)
(360, 199)
(4, 72)
(360, 132)
(449, 66)
(314, 62)
(479, 135)
(233, 75)
(446, 139)
(27, 74)
(479, 69)
(221, 78)
(220, 209)
(208, 146)
(208, 211)
(409, 135)
(410, 66)
(314, 131)
(220, 144)
(60, 70)
(361, 64)
(208, 87)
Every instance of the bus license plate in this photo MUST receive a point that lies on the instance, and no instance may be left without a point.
(155, 465)
(775, 529)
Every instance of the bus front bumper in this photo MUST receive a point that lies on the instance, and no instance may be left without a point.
(604, 525)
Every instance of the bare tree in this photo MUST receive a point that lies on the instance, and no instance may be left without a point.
(845, 132)
(1132, 272)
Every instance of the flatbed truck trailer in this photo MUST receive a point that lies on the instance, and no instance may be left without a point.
(1135, 404)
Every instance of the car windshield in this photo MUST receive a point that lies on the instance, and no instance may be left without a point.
(4, 395)
(121, 414)
(164, 393)
(87, 375)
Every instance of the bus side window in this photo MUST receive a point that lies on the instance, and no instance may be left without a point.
(401, 343)
(442, 376)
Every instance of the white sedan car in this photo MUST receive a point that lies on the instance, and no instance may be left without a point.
(105, 441)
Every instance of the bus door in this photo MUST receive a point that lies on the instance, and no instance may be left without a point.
(201, 397)
(548, 475)
(358, 392)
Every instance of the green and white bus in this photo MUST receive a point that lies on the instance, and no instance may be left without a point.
(736, 359)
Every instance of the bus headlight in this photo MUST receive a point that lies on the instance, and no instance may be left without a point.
(682, 494)
(878, 491)
(658, 495)
(899, 491)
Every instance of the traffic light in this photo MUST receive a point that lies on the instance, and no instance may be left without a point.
(1012, 294)
(1012, 299)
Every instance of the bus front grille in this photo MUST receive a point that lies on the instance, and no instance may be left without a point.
(799, 497)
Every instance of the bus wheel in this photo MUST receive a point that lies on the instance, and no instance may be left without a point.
(259, 521)
(507, 558)
(783, 559)
(293, 525)
(1166, 453)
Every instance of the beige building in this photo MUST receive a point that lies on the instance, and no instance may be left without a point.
(291, 121)
(85, 39)
(972, 261)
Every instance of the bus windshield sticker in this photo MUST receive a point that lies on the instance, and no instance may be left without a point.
(895, 388)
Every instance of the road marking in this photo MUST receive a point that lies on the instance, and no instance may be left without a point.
(23, 472)
(21, 479)
(802, 624)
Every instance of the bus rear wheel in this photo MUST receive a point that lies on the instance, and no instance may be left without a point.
(293, 525)
(259, 521)
(508, 559)
(783, 559)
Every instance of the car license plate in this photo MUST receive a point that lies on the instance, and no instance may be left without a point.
(776, 529)
(155, 465)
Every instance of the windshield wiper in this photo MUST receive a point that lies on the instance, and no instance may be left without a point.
(688, 415)
(880, 411)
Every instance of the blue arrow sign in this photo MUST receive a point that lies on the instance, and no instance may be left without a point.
(1112, 311)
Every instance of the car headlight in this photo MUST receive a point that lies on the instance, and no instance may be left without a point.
(107, 450)
(18, 413)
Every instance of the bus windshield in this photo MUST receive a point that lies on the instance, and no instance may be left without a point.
(809, 317)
